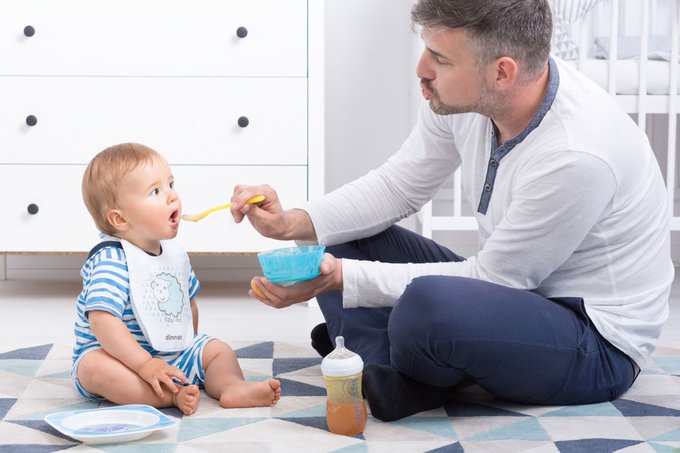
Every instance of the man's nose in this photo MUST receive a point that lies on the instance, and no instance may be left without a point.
(423, 70)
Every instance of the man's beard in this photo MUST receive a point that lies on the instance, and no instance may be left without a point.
(488, 104)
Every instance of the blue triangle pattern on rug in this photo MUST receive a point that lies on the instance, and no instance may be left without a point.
(301, 419)
(42, 426)
(62, 375)
(5, 405)
(263, 350)
(671, 365)
(529, 429)
(661, 448)
(22, 367)
(281, 366)
(465, 409)
(312, 422)
(84, 405)
(172, 412)
(294, 388)
(670, 436)
(315, 411)
(634, 409)
(315, 422)
(440, 426)
(193, 428)
(453, 448)
(32, 353)
(594, 445)
(590, 410)
(31, 448)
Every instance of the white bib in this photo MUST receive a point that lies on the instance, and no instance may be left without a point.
(159, 295)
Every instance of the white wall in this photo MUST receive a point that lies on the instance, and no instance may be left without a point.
(370, 78)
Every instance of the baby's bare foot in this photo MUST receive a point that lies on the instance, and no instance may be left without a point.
(187, 399)
(251, 394)
(275, 385)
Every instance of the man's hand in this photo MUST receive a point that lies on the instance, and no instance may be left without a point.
(268, 216)
(156, 371)
(279, 297)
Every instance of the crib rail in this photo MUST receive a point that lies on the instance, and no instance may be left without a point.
(613, 19)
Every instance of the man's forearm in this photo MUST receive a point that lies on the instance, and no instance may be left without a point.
(299, 226)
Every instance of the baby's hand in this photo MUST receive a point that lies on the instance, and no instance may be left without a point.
(156, 371)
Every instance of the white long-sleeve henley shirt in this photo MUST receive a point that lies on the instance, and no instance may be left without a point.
(578, 208)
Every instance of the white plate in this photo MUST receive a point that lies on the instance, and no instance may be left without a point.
(110, 424)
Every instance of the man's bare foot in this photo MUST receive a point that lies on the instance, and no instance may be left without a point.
(187, 399)
(251, 394)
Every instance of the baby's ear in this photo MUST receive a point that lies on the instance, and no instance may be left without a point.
(116, 219)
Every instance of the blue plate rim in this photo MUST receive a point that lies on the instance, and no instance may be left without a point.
(164, 422)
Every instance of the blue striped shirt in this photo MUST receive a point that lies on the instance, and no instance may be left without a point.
(106, 287)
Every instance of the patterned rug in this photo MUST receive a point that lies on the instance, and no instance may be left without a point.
(34, 381)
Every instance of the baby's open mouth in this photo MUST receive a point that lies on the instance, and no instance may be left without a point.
(174, 217)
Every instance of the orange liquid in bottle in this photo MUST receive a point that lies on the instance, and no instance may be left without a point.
(346, 418)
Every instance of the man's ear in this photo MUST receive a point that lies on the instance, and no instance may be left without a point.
(117, 220)
(504, 73)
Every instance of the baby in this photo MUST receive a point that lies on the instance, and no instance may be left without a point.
(136, 331)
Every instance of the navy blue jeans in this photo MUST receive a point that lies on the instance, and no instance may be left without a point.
(518, 345)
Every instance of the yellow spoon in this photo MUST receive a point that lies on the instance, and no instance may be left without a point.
(197, 217)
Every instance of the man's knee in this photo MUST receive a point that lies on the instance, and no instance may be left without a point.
(430, 306)
(416, 304)
(416, 310)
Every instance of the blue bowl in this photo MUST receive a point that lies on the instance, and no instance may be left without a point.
(292, 264)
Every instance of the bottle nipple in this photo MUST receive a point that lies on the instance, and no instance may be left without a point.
(341, 361)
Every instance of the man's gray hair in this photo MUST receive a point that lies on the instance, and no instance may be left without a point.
(519, 29)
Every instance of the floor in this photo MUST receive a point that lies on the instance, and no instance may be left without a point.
(225, 311)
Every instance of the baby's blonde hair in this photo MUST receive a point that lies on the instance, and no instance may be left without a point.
(103, 175)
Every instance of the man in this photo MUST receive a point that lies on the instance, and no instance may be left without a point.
(568, 293)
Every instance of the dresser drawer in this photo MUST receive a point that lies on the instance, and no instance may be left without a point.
(154, 37)
(59, 221)
(190, 120)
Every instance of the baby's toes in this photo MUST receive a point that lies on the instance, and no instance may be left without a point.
(274, 384)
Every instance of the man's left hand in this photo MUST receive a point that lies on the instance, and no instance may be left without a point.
(279, 296)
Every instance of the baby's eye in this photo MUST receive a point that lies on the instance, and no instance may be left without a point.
(172, 184)
(155, 191)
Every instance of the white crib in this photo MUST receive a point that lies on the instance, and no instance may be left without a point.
(645, 83)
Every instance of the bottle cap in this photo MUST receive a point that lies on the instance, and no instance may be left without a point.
(342, 361)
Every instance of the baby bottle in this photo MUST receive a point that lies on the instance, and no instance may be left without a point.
(345, 407)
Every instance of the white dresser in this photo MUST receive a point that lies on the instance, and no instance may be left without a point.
(229, 91)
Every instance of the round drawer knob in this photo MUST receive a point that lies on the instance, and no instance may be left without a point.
(32, 209)
(243, 121)
(31, 120)
(241, 32)
(29, 31)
